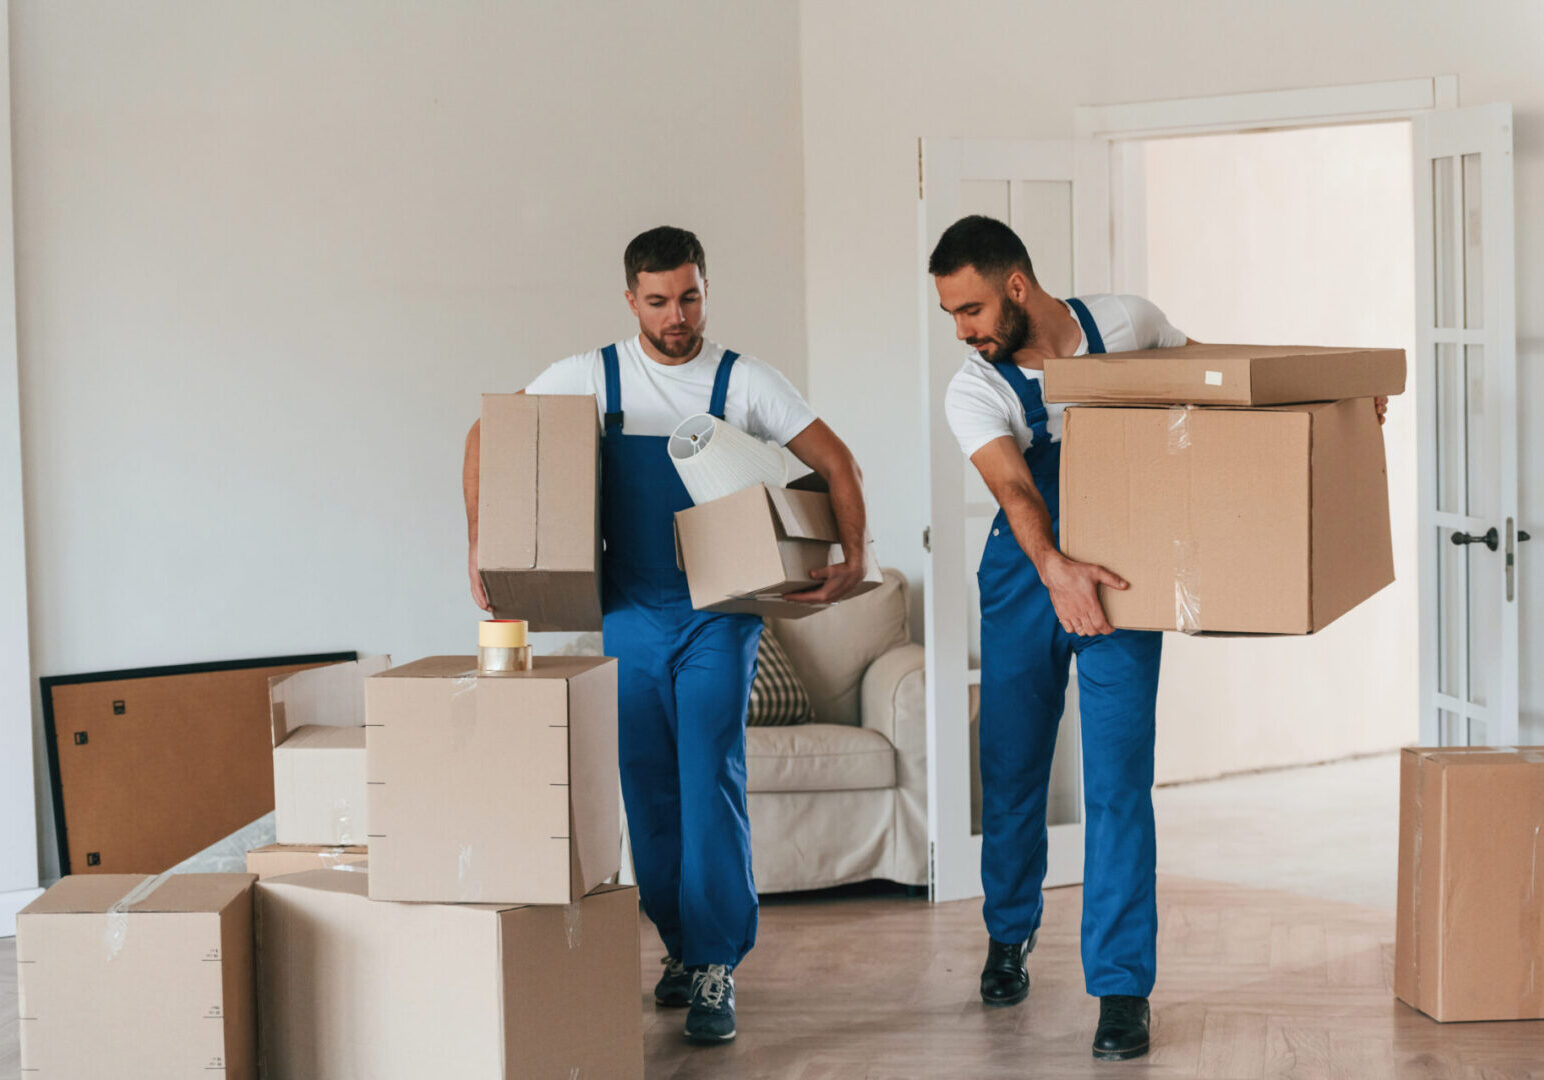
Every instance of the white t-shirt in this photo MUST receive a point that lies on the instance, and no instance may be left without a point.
(981, 406)
(656, 397)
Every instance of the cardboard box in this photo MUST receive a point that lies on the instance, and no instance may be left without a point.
(317, 717)
(1227, 375)
(353, 988)
(495, 788)
(741, 553)
(538, 509)
(1470, 938)
(1241, 521)
(128, 977)
(276, 860)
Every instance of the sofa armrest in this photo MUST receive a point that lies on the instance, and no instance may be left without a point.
(893, 702)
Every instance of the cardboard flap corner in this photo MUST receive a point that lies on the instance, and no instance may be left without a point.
(331, 695)
(803, 515)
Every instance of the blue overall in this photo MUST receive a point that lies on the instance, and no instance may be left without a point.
(1025, 655)
(684, 682)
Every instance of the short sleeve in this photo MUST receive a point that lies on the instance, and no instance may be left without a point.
(976, 413)
(775, 410)
(1150, 326)
(568, 376)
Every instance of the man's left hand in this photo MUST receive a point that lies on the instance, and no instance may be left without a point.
(1382, 405)
(839, 580)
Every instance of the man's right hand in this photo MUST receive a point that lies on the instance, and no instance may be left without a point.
(1074, 589)
(479, 594)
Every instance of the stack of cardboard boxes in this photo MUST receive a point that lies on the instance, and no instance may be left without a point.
(1239, 489)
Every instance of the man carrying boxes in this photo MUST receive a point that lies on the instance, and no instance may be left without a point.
(1039, 608)
(684, 675)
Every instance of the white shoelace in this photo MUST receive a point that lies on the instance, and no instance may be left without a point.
(712, 983)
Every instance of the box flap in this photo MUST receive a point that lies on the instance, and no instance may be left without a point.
(453, 667)
(567, 483)
(323, 737)
(804, 515)
(356, 883)
(332, 694)
(506, 501)
(95, 894)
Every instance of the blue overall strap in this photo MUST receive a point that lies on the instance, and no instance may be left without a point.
(721, 383)
(608, 356)
(1029, 397)
(1090, 330)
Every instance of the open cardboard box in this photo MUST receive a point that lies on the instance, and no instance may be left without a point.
(317, 716)
(743, 552)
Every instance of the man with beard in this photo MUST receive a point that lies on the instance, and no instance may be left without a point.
(1039, 609)
(684, 676)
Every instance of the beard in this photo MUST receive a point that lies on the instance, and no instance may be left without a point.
(1014, 331)
(677, 347)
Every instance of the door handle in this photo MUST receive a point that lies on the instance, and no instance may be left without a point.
(1491, 539)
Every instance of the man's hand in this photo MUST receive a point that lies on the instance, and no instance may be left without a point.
(840, 579)
(1382, 405)
(1074, 589)
(479, 594)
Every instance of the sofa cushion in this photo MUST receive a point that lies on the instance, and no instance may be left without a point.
(818, 757)
(831, 650)
(778, 697)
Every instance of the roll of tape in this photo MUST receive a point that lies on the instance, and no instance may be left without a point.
(501, 634)
(715, 459)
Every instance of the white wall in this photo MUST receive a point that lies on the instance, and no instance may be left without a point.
(1302, 237)
(877, 76)
(18, 827)
(270, 253)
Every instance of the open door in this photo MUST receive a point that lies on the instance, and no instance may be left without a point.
(1055, 194)
(1467, 361)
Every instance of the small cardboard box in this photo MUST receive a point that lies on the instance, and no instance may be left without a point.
(276, 860)
(493, 788)
(1239, 521)
(538, 509)
(317, 716)
(350, 987)
(1226, 375)
(1470, 938)
(128, 977)
(741, 553)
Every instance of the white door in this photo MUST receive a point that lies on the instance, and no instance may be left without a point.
(1467, 361)
(1055, 194)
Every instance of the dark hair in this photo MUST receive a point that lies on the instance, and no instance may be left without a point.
(985, 243)
(660, 249)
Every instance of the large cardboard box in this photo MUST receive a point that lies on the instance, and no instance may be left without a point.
(1227, 375)
(1241, 521)
(317, 717)
(353, 988)
(276, 860)
(538, 509)
(129, 977)
(1470, 939)
(493, 788)
(741, 553)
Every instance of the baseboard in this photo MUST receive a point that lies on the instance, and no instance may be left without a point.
(10, 904)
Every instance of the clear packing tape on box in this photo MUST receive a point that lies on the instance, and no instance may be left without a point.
(1187, 561)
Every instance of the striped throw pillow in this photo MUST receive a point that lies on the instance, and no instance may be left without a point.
(778, 697)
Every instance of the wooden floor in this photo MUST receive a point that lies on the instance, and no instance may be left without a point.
(1251, 984)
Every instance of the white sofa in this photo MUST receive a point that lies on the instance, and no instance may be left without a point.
(844, 799)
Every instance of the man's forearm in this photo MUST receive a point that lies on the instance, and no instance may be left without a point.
(846, 484)
(1030, 521)
(470, 479)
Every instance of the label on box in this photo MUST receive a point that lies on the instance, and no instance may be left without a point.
(1214, 378)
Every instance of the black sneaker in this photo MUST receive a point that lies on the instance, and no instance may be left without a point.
(711, 1019)
(1122, 1032)
(674, 989)
(1005, 978)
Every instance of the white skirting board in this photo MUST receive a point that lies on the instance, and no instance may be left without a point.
(10, 904)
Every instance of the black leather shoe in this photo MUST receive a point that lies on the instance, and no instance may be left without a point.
(1005, 979)
(1122, 1032)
